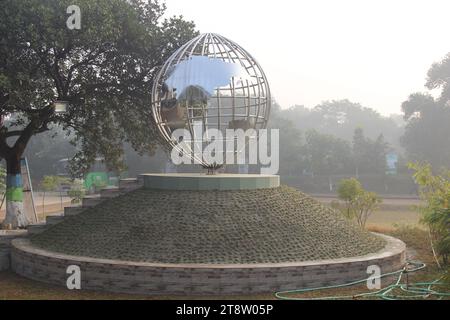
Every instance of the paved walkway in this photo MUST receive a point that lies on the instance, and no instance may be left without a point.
(52, 204)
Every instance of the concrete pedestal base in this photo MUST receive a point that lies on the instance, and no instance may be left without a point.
(195, 182)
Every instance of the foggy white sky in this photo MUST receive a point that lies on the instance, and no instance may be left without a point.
(375, 52)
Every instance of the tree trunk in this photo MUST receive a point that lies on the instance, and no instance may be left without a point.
(15, 215)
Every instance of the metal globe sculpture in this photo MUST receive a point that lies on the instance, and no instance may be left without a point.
(209, 83)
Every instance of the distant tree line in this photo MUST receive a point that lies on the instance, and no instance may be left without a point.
(342, 137)
(316, 151)
(337, 137)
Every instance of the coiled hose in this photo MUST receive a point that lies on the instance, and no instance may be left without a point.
(408, 291)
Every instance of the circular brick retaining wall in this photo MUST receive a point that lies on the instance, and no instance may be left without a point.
(6, 236)
(149, 278)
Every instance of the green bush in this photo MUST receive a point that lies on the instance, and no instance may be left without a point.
(435, 191)
(77, 191)
(359, 203)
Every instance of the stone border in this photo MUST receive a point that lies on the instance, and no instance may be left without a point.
(149, 278)
(6, 237)
(185, 181)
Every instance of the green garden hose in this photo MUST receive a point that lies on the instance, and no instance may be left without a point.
(415, 290)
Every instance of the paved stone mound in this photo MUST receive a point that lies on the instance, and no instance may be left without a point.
(210, 227)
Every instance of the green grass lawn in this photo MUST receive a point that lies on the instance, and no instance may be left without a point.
(392, 214)
(391, 219)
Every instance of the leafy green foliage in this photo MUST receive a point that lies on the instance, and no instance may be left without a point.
(325, 153)
(439, 78)
(427, 132)
(359, 203)
(340, 118)
(321, 151)
(369, 155)
(349, 189)
(45, 150)
(105, 72)
(435, 190)
(77, 191)
(291, 161)
(50, 183)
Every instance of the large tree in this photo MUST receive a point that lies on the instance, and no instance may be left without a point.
(104, 70)
(341, 117)
(326, 154)
(291, 140)
(439, 78)
(427, 134)
(369, 155)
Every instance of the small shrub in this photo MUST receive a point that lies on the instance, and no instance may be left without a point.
(359, 203)
(76, 192)
(435, 191)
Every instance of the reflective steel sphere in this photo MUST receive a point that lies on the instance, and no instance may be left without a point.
(210, 81)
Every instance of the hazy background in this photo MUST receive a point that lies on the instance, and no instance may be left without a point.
(372, 52)
(339, 72)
